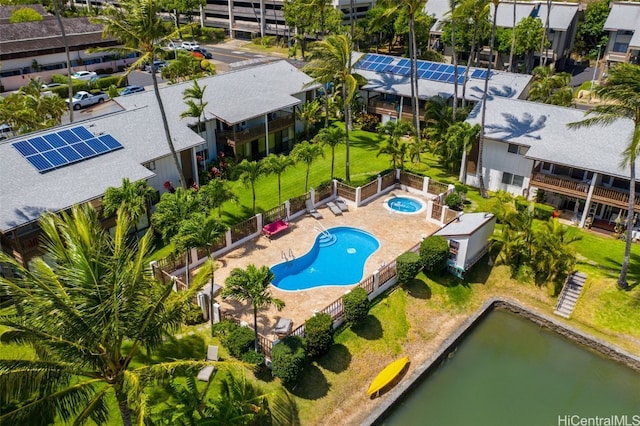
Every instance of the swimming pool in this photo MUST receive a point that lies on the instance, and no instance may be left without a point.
(336, 258)
(405, 205)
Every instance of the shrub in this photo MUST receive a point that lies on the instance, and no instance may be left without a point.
(543, 211)
(318, 335)
(287, 359)
(434, 251)
(407, 266)
(194, 315)
(253, 357)
(521, 204)
(104, 83)
(454, 201)
(213, 34)
(239, 341)
(223, 329)
(356, 306)
(367, 122)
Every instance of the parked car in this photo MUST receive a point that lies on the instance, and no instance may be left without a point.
(156, 66)
(84, 99)
(202, 52)
(190, 45)
(175, 45)
(5, 131)
(84, 75)
(50, 86)
(131, 89)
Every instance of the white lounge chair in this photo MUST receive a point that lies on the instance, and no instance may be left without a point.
(283, 326)
(312, 210)
(334, 209)
(212, 355)
(342, 205)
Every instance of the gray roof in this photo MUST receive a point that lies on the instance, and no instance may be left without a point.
(544, 129)
(438, 9)
(235, 96)
(6, 11)
(25, 193)
(623, 16)
(501, 83)
(561, 15)
(505, 13)
(465, 225)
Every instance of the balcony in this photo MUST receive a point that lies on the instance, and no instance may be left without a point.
(238, 137)
(579, 189)
(617, 56)
(391, 109)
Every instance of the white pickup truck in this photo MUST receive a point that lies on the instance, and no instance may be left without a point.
(84, 99)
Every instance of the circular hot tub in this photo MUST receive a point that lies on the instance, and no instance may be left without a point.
(405, 205)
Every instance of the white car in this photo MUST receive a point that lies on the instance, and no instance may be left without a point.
(175, 45)
(190, 45)
(84, 75)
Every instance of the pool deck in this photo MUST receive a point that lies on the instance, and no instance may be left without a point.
(396, 233)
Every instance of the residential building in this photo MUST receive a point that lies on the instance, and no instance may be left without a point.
(388, 89)
(41, 174)
(36, 49)
(469, 238)
(530, 151)
(623, 25)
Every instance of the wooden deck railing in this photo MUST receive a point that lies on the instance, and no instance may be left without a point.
(411, 180)
(388, 179)
(436, 187)
(347, 192)
(244, 229)
(369, 190)
(323, 192)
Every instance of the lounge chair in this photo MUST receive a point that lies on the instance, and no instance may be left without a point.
(283, 326)
(334, 209)
(342, 205)
(206, 372)
(312, 210)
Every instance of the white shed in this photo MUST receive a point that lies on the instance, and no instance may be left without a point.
(468, 238)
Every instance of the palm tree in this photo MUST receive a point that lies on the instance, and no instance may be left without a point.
(306, 152)
(86, 319)
(331, 60)
(56, 7)
(172, 209)
(411, 7)
(332, 137)
(397, 148)
(139, 27)
(513, 37)
(252, 284)
(554, 89)
(621, 99)
(309, 114)
(250, 172)
(133, 197)
(201, 231)
(485, 94)
(194, 98)
(277, 164)
(215, 193)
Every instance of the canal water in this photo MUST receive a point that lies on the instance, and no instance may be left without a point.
(510, 371)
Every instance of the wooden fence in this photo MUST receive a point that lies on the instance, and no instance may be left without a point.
(323, 192)
(388, 180)
(411, 180)
(347, 192)
(276, 213)
(298, 203)
(244, 229)
(369, 190)
(437, 187)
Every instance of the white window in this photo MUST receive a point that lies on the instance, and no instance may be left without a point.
(517, 149)
(511, 179)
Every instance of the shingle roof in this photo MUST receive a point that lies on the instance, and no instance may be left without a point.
(25, 193)
(235, 96)
(465, 225)
(544, 129)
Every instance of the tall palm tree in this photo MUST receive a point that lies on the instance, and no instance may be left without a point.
(194, 98)
(277, 164)
(139, 27)
(86, 319)
(455, 58)
(133, 197)
(201, 231)
(250, 172)
(621, 99)
(172, 209)
(513, 37)
(252, 284)
(411, 7)
(554, 89)
(395, 146)
(57, 4)
(485, 95)
(332, 137)
(331, 60)
(306, 152)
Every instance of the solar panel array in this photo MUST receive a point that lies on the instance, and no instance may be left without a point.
(427, 70)
(55, 150)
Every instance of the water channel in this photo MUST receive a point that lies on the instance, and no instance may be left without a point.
(510, 371)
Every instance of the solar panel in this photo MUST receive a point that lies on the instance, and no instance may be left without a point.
(404, 63)
(68, 146)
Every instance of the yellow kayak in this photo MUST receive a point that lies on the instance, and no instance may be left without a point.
(387, 375)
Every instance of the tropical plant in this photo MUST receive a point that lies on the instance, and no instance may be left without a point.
(318, 335)
(620, 94)
(530, 35)
(252, 284)
(249, 173)
(396, 145)
(331, 137)
(331, 60)
(306, 152)
(456, 141)
(309, 114)
(172, 209)
(277, 165)
(194, 98)
(139, 27)
(549, 88)
(133, 197)
(215, 193)
(407, 266)
(356, 306)
(287, 359)
(86, 319)
(186, 404)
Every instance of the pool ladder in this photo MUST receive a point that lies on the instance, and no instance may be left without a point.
(283, 255)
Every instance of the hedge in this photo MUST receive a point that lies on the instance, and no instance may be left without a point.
(407, 266)
(434, 251)
(355, 305)
(287, 359)
(318, 335)
(240, 341)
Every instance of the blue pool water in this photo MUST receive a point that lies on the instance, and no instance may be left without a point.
(405, 205)
(334, 259)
